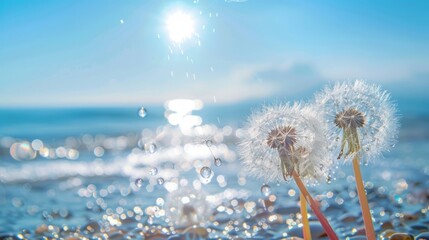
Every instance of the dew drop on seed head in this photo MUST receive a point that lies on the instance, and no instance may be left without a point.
(142, 112)
(218, 162)
(139, 182)
(205, 172)
(160, 181)
(153, 171)
(266, 190)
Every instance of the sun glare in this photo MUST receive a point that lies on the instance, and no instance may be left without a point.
(180, 26)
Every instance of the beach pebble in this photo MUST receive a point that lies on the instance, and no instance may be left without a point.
(42, 229)
(386, 234)
(8, 236)
(92, 227)
(116, 236)
(423, 236)
(315, 228)
(419, 227)
(386, 225)
(409, 217)
(347, 218)
(401, 236)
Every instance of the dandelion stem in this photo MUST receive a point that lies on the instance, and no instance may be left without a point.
(367, 218)
(305, 225)
(315, 207)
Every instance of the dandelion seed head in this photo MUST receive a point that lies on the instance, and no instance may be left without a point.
(363, 107)
(282, 137)
(292, 129)
(349, 118)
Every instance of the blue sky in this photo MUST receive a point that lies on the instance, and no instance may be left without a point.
(104, 53)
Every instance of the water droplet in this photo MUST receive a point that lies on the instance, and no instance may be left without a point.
(266, 190)
(142, 112)
(150, 148)
(367, 149)
(393, 145)
(209, 143)
(139, 182)
(153, 171)
(160, 181)
(218, 162)
(205, 172)
(337, 139)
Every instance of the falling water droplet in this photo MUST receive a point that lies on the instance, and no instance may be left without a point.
(205, 172)
(265, 190)
(142, 112)
(153, 171)
(218, 162)
(160, 181)
(139, 182)
(150, 148)
(393, 145)
(209, 143)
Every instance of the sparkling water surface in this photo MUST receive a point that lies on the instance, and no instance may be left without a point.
(109, 174)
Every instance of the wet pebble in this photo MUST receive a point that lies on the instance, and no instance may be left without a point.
(358, 238)
(419, 227)
(401, 236)
(386, 234)
(386, 225)
(347, 218)
(316, 230)
(8, 236)
(91, 227)
(116, 236)
(423, 236)
(42, 229)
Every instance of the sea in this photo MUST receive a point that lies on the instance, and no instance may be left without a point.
(172, 171)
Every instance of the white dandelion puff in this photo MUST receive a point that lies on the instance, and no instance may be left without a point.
(361, 120)
(280, 139)
(187, 207)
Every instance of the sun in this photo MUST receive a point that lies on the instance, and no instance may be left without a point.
(180, 26)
